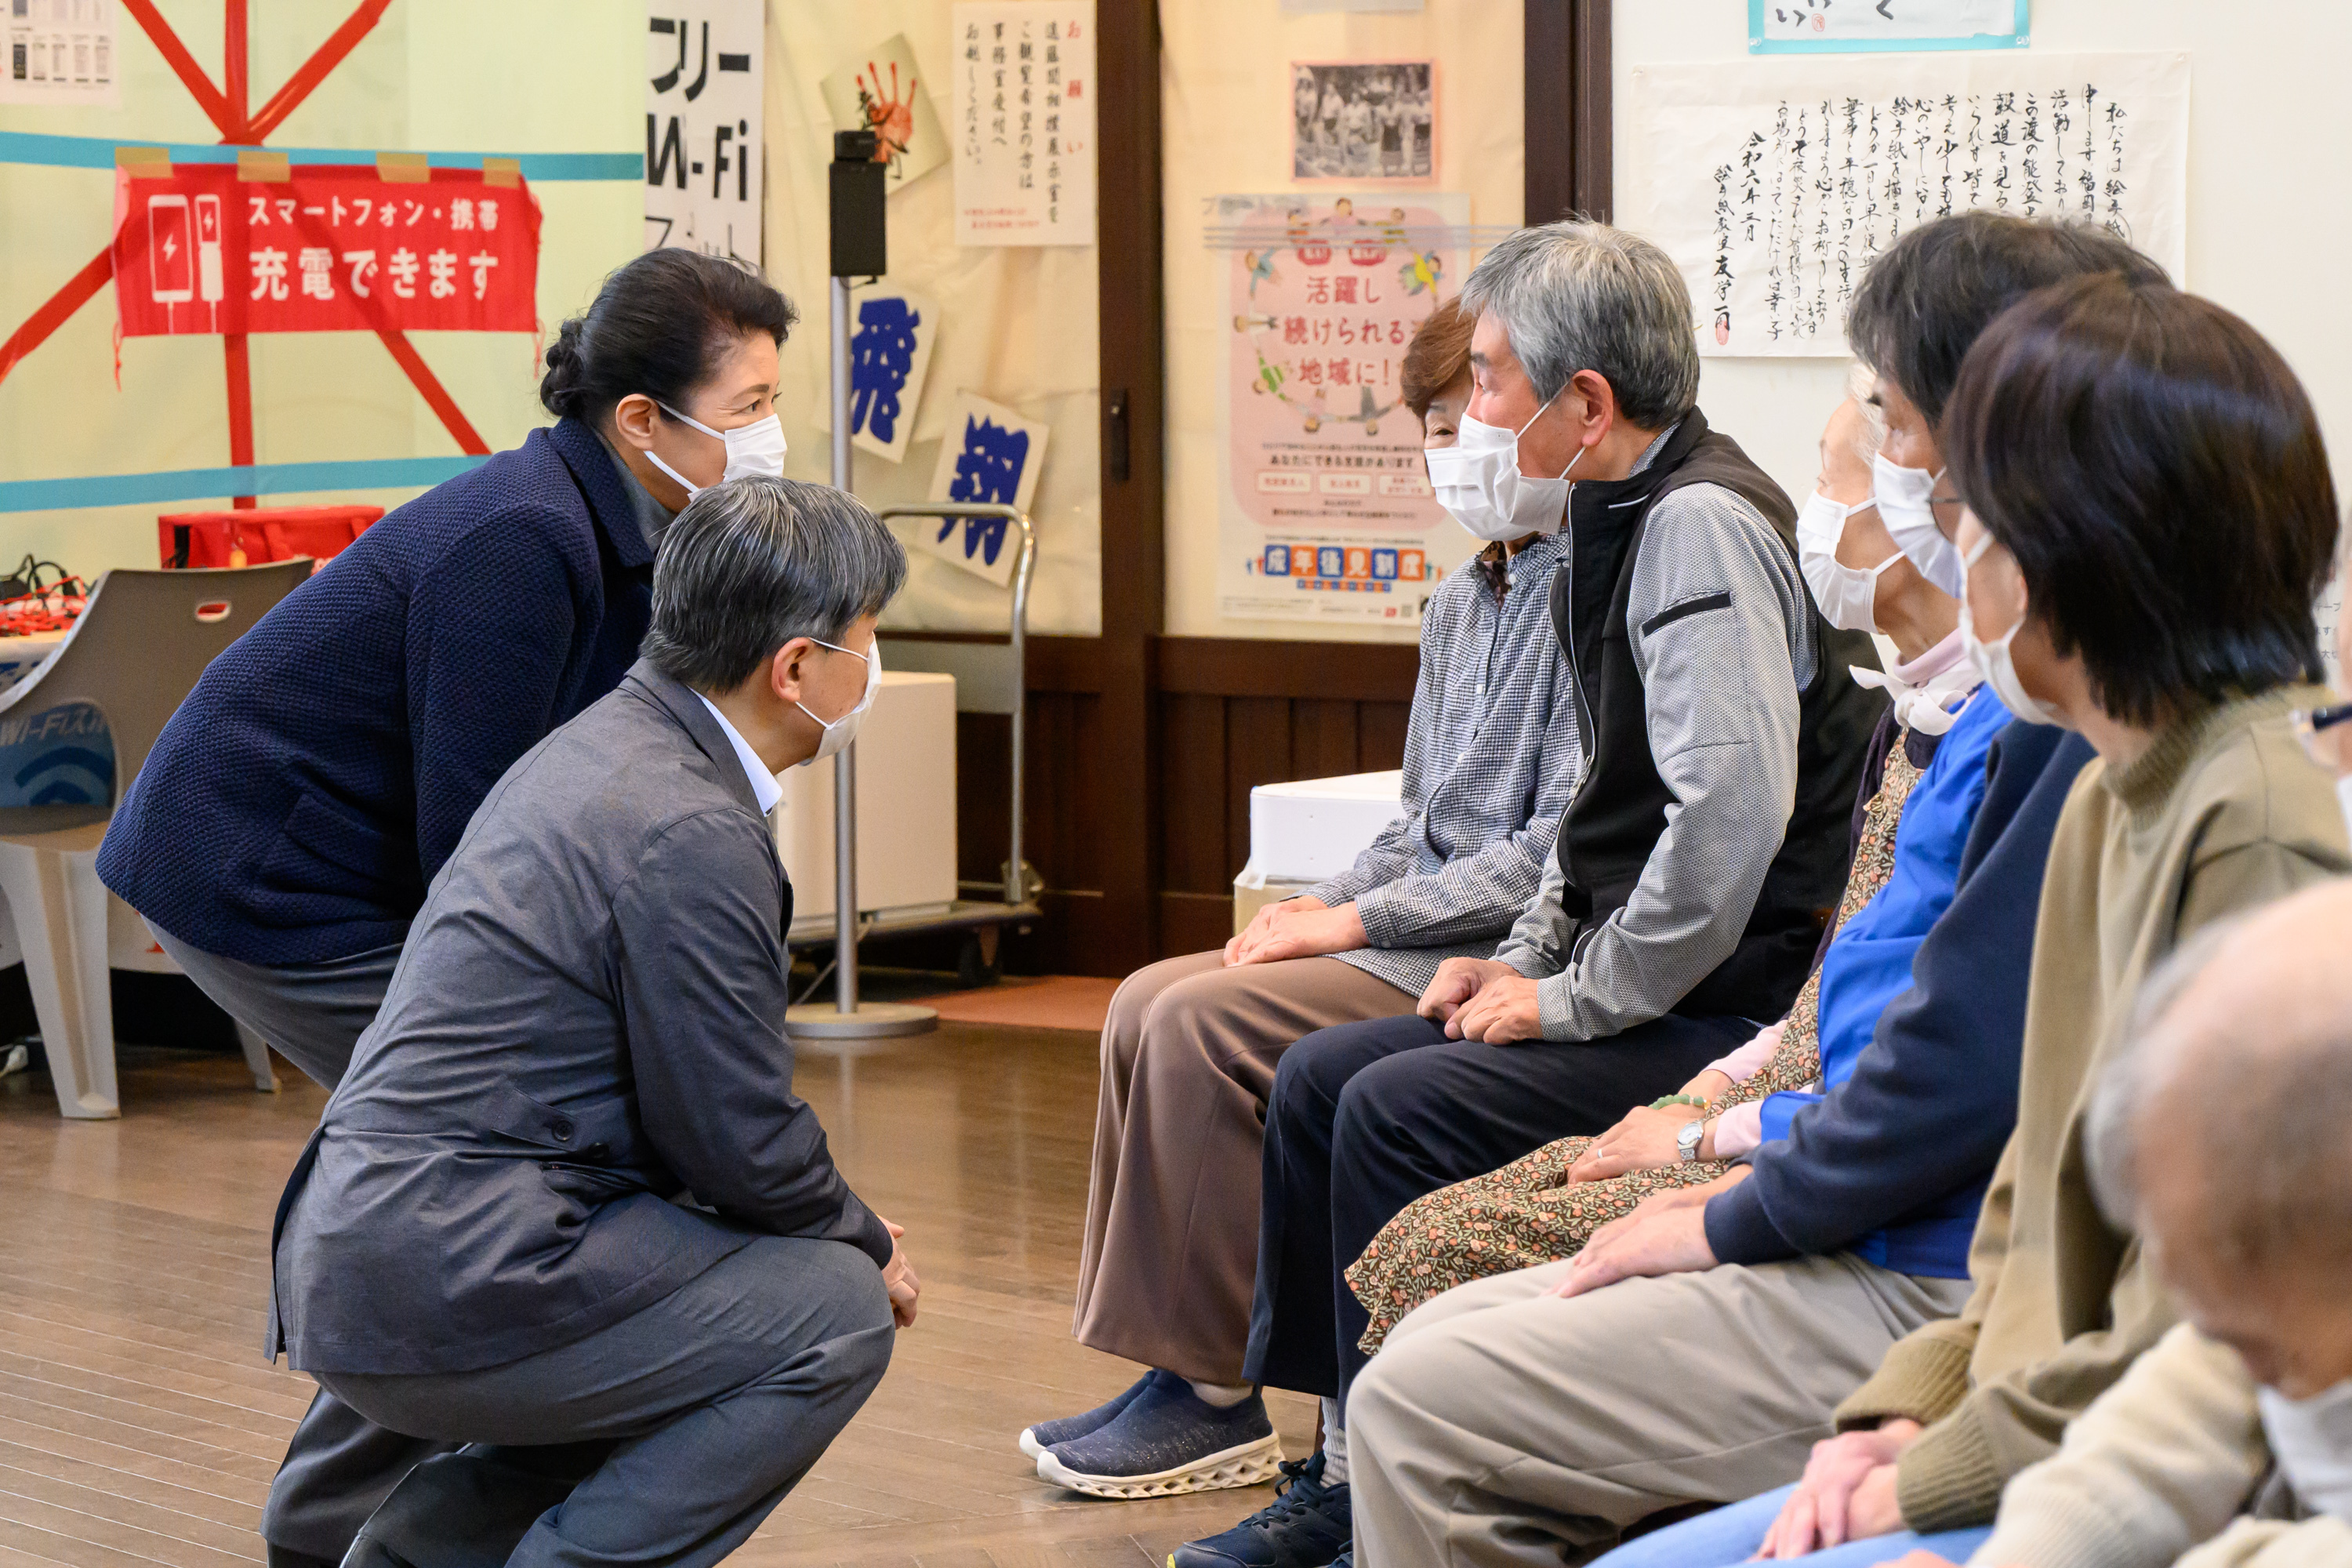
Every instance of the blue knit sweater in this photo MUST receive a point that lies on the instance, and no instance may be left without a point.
(326, 764)
(1893, 1161)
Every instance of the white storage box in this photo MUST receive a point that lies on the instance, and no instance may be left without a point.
(1304, 832)
(906, 809)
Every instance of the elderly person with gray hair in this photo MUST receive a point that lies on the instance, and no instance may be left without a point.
(2218, 1140)
(486, 1241)
(1696, 862)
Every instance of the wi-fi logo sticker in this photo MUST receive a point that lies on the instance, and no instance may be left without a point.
(60, 756)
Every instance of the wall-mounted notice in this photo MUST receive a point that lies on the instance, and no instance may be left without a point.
(1327, 510)
(991, 455)
(1774, 184)
(59, 51)
(703, 73)
(1025, 122)
(1864, 27)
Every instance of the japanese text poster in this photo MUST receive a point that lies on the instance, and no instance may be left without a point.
(1326, 508)
(1025, 122)
(991, 455)
(889, 354)
(703, 75)
(1773, 184)
(880, 91)
(59, 51)
(1860, 26)
(198, 249)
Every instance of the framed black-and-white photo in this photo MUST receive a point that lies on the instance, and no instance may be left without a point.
(1364, 121)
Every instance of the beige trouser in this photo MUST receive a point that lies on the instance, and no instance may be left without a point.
(1188, 1060)
(1500, 1424)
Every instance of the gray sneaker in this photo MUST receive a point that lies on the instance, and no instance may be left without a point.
(1035, 1440)
(1168, 1440)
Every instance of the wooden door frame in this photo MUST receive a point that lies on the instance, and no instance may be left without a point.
(1568, 84)
(1134, 433)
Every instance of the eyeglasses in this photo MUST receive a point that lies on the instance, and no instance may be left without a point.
(2327, 735)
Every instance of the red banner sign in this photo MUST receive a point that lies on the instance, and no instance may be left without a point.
(333, 247)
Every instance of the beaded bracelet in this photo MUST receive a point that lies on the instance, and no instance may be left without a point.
(1690, 1099)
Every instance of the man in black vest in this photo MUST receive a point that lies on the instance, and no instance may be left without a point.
(1700, 856)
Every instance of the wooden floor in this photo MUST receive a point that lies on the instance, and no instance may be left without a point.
(139, 1424)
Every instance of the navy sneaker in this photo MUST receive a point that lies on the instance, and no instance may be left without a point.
(1307, 1525)
(1035, 1440)
(1168, 1441)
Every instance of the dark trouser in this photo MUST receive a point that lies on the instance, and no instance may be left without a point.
(339, 1465)
(337, 1468)
(687, 1421)
(1367, 1117)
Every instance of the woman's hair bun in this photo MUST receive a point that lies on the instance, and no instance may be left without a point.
(559, 389)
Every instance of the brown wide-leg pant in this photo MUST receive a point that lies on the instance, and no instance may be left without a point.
(1188, 1060)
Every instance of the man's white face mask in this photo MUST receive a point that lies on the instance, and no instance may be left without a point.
(753, 451)
(839, 732)
(1477, 479)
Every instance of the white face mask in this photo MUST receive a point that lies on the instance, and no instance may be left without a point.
(2344, 800)
(2311, 1441)
(1992, 659)
(839, 732)
(1477, 479)
(1903, 497)
(753, 451)
(1846, 595)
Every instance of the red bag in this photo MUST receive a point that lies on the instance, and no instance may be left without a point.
(259, 534)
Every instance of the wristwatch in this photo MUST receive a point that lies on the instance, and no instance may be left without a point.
(1687, 1140)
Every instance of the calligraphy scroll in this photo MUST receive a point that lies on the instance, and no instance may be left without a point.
(323, 247)
(1773, 184)
(1025, 122)
(1328, 510)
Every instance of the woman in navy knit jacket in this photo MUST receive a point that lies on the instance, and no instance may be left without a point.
(284, 828)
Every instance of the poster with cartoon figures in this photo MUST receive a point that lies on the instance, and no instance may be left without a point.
(879, 89)
(1327, 509)
(990, 454)
(889, 356)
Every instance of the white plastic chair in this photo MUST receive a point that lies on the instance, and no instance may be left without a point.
(133, 655)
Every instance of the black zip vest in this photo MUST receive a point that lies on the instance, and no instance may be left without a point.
(1619, 811)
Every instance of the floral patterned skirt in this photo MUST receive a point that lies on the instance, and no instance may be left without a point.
(1529, 1213)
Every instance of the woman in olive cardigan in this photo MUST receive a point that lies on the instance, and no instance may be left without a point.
(2149, 519)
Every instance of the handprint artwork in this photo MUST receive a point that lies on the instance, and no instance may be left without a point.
(890, 113)
(879, 89)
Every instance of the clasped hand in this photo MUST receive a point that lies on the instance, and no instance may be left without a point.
(1847, 1494)
(1482, 999)
(1302, 927)
(898, 1278)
